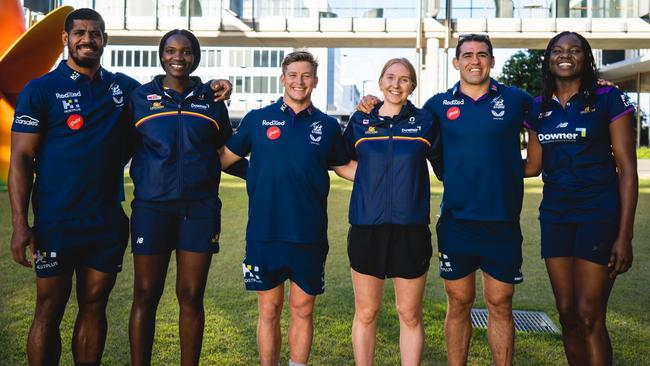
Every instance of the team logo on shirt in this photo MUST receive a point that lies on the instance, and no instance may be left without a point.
(453, 113)
(411, 130)
(75, 75)
(156, 105)
(365, 121)
(498, 108)
(75, 122)
(26, 120)
(453, 102)
(71, 105)
(118, 95)
(412, 120)
(372, 130)
(588, 109)
(545, 138)
(562, 125)
(199, 106)
(251, 273)
(153, 97)
(315, 135)
(273, 133)
(625, 100)
(544, 114)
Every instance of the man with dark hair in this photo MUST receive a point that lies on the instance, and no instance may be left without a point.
(479, 215)
(292, 144)
(68, 149)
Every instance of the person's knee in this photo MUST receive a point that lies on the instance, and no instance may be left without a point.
(499, 304)
(270, 311)
(590, 319)
(411, 316)
(303, 308)
(568, 316)
(366, 315)
(49, 308)
(189, 296)
(146, 294)
(93, 295)
(459, 302)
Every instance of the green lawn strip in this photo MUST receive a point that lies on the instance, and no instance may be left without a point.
(231, 312)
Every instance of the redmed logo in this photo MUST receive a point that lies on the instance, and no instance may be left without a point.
(75, 122)
(453, 113)
(273, 133)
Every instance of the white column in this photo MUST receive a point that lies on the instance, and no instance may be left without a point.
(429, 82)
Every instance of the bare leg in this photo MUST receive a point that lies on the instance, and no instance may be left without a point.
(501, 329)
(409, 294)
(269, 305)
(301, 326)
(192, 275)
(368, 291)
(44, 340)
(148, 285)
(458, 321)
(89, 337)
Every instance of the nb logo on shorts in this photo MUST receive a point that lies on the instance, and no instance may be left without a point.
(139, 240)
(445, 264)
(251, 274)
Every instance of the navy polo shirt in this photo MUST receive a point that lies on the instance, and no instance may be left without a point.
(83, 128)
(288, 178)
(578, 167)
(483, 170)
(391, 184)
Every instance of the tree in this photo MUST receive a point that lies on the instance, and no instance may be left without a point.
(524, 70)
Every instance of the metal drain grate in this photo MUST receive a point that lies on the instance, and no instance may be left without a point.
(525, 321)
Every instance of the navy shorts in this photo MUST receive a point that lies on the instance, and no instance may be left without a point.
(268, 264)
(160, 227)
(386, 251)
(591, 241)
(97, 242)
(493, 246)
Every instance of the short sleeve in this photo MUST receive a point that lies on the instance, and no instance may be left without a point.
(337, 155)
(241, 140)
(618, 104)
(30, 113)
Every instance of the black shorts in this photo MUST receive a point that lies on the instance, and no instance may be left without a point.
(386, 251)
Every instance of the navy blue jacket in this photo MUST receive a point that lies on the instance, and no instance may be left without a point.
(391, 185)
(177, 138)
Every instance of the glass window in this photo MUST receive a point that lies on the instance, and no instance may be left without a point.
(247, 84)
(265, 58)
(256, 59)
(128, 58)
(238, 84)
(120, 58)
(248, 58)
(153, 57)
(204, 58)
(281, 57)
(231, 61)
(113, 57)
(274, 58)
(274, 84)
(265, 84)
(257, 84)
(218, 64)
(136, 58)
(145, 58)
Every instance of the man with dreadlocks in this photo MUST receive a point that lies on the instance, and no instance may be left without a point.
(583, 143)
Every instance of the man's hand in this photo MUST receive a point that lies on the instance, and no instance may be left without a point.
(620, 259)
(367, 103)
(603, 82)
(21, 238)
(222, 89)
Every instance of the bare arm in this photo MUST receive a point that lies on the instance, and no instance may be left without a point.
(533, 164)
(21, 180)
(628, 185)
(227, 157)
(346, 171)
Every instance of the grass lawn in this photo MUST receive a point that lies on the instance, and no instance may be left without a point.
(231, 312)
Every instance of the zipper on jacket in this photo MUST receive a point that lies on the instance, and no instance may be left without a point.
(179, 132)
(389, 175)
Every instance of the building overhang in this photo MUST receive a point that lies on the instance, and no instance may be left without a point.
(625, 73)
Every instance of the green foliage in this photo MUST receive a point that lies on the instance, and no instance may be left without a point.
(643, 153)
(231, 312)
(524, 70)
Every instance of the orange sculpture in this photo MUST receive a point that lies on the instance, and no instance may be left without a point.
(23, 56)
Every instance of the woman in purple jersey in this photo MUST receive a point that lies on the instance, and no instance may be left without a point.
(582, 142)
